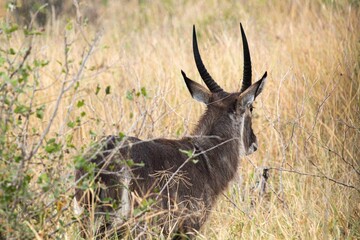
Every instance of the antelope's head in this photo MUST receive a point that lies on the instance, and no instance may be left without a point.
(227, 115)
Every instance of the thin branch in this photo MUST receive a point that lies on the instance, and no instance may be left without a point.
(342, 158)
(27, 54)
(315, 175)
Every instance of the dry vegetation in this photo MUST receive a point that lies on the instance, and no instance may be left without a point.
(307, 118)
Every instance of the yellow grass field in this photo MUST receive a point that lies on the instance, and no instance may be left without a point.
(307, 120)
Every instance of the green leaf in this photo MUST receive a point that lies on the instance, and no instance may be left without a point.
(44, 181)
(121, 135)
(144, 206)
(143, 91)
(188, 153)
(43, 178)
(71, 124)
(40, 112)
(80, 103)
(69, 26)
(32, 32)
(131, 163)
(77, 84)
(129, 95)
(11, 51)
(18, 158)
(52, 146)
(195, 161)
(137, 212)
(69, 139)
(92, 68)
(97, 89)
(21, 109)
(79, 162)
(92, 133)
(107, 90)
(11, 29)
(40, 63)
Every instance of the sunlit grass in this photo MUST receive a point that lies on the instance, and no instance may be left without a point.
(306, 120)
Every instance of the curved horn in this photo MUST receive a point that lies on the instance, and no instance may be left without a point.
(209, 81)
(247, 62)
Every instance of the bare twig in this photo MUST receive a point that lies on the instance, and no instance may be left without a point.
(315, 175)
(341, 156)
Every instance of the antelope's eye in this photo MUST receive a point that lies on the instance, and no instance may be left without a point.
(251, 108)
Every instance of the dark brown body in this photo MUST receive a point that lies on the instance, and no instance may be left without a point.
(194, 188)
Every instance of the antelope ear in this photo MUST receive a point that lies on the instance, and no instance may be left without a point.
(253, 91)
(197, 91)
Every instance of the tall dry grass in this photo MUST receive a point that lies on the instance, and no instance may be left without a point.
(307, 119)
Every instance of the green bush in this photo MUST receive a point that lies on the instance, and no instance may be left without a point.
(34, 192)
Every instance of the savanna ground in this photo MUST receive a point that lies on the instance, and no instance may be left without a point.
(115, 69)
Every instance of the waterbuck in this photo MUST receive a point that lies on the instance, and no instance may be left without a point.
(177, 180)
